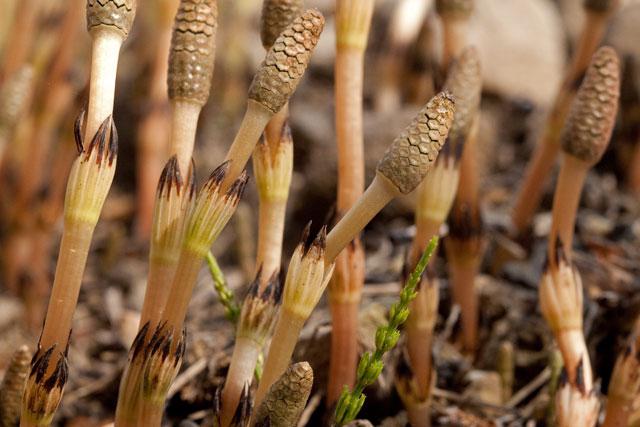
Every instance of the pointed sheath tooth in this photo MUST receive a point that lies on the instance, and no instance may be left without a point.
(174, 202)
(307, 277)
(411, 155)
(111, 15)
(44, 388)
(243, 413)
(212, 211)
(286, 61)
(287, 397)
(163, 357)
(192, 53)
(588, 127)
(575, 407)
(91, 176)
(464, 82)
(600, 6)
(277, 15)
(259, 310)
(12, 386)
(454, 8)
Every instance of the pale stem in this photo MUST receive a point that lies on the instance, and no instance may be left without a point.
(253, 123)
(283, 343)
(419, 346)
(104, 66)
(565, 204)
(241, 370)
(273, 130)
(378, 194)
(159, 281)
(454, 38)
(179, 295)
(72, 258)
(150, 413)
(463, 275)
(425, 229)
(618, 412)
(593, 30)
(183, 133)
(469, 180)
(270, 234)
(348, 92)
(574, 351)
(419, 414)
(344, 347)
(129, 395)
(534, 180)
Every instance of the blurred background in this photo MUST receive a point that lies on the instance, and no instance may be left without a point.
(524, 47)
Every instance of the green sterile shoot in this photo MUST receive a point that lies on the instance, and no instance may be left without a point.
(370, 366)
(227, 299)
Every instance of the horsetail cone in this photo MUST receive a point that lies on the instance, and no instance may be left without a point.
(276, 16)
(454, 8)
(287, 397)
(593, 112)
(114, 15)
(411, 155)
(464, 82)
(286, 61)
(12, 386)
(193, 51)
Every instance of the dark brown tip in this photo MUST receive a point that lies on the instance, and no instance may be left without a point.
(139, 341)
(580, 377)
(58, 378)
(304, 238)
(106, 147)
(78, 127)
(236, 190)
(170, 178)
(600, 6)
(465, 222)
(218, 174)
(321, 239)
(40, 364)
(243, 412)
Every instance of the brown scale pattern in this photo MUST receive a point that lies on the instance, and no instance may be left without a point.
(465, 84)
(410, 156)
(117, 15)
(588, 127)
(193, 51)
(276, 17)
(286, 61)
(287, 398)
(457, 8)
(600, 5)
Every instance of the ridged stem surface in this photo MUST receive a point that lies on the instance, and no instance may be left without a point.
(378, 194)
(283, 343)
(270, 235)
(104, 66)
(243, 364)
(565, 204)
(72, 258)
(183, 132)
(253, 123)
(344, 347)
(159, 281)
(181, 289)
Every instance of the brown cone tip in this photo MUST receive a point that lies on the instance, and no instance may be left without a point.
(600, 6)
(277, 15)
(287, 397)
(192, 51)
(454, 8)
(286, 61)
(464, 81)
(588, 127)
(115, 15)
(410, 156)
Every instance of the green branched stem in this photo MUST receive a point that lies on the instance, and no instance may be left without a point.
(231, 307)
(371, 364)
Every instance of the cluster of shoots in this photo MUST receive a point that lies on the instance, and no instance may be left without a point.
(353, 20)
(597, 14)
(371, 363)
(584, 139)
(88, 184)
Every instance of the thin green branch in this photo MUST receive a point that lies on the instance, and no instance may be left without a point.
(231, 307)
(387, 336)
